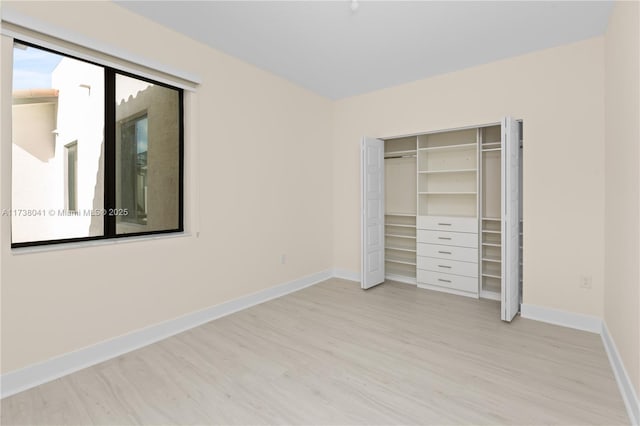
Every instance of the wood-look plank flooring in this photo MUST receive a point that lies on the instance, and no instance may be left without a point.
(333, 354)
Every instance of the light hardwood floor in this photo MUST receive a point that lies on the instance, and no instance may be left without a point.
(334, 354)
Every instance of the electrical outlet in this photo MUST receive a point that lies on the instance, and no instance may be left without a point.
(585, 281)
(283, 259)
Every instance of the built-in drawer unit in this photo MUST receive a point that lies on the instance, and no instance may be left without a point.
(468, 269)
(456, 282)
(461, 239)
(447, 253)
(448, 223)
(464, 254)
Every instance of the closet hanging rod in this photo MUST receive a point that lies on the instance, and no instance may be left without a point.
(400, 156)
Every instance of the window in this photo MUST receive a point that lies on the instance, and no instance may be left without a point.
(97, 153)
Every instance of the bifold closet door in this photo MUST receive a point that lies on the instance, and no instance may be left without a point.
(510, 288)
(372, 206)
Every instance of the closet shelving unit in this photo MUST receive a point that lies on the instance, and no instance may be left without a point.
(400, 209)
(447, 174)
(447, 255)
(489, 140)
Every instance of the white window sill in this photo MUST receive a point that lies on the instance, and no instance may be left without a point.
(97, 243)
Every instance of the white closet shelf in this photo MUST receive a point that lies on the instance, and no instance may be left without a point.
(428, 172)
(449, 147)
(400, 270)
(400, 214)
(488, 231)
(495, 219)
(491, 276)
(466, 216)
(400, 261)
(491, 245)
(447, 193)
(396, 153)
(400, 236)
(400, 225)
(491, 259)
(491, 144)
(400, 249)
(491, 149)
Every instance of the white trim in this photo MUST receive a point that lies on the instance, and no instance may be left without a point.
(562, 318)
(97, 243)
(30, 24)
(629, 395)
(37, 374)
(346, 274)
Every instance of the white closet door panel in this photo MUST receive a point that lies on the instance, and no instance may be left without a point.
(455, 282)
(372, 231)
(467, 269)
(448, 223)
(464, 254)
(510, 288)
(461, 239)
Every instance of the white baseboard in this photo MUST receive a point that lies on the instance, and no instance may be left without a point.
(629, 395)
(594, 325)
(37, 374)
(562, 318)
(346, 274)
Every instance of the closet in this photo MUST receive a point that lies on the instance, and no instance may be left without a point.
(400, 209)
(441, 210)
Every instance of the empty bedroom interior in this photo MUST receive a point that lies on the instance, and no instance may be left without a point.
(272, 204)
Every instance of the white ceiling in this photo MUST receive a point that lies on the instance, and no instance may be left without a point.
(335, 52)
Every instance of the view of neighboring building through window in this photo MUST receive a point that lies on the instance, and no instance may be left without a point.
(96, 153)
(133, 161)
(72, 176)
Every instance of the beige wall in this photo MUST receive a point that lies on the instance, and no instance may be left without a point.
(262, 187)
(559, 95)
(622, 182)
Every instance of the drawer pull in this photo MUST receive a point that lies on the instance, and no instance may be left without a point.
(444, 238)
(444, 266)
(444, 224)
(444, 252)
(444, 281)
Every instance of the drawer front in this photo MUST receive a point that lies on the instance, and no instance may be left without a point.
(468, 269)
(455, 282)
(464, 254)
(445, 223)
(460, 239)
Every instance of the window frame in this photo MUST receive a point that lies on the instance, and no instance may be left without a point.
(110, 200)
